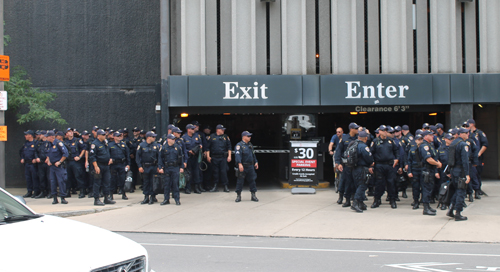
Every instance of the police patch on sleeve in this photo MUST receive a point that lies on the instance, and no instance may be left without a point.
(426, 148)
(367, 149)
(390, 142)
(466, 148)
(92, 146)
(484, 135)
(468, 143)
(81, 142)
(61, 144)
(411, 138)
(371, 144)
(139, 147)
(237, 147)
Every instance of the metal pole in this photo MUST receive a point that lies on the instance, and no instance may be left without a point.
(165, 63)
(2, 113)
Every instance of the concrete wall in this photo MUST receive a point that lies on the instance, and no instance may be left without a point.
(88, 52)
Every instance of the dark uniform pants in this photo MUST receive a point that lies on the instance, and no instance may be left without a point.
(250, 176)
(415, 183)
(117, 176)
(171, 182)
(75, 175)
(427, 186)
(147, 179)
(194, 169)
(347, 181)
(57, 179)
(219, 168)
(104, 181)
(43, 176)
(384, 173)
(207, 174)
(474, 178)
(31, 174)
(459, 196)
(91, 178)
(359, 176)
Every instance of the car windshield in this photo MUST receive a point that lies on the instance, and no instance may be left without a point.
(10, 208)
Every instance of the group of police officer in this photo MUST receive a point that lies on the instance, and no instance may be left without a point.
(98, 162)
(384, 162)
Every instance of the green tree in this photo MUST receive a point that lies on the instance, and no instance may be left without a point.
(31, 103)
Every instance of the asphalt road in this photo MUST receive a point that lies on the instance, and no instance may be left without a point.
(174, 252)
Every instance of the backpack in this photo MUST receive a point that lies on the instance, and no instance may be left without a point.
(446, 191)
(451, 154)
(351, 153)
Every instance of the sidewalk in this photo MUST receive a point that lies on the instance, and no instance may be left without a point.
(281, 214)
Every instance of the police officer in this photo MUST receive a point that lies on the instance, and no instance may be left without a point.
(56, 154)
(364, 165)
(443, 152)
(414, 168)
(43, 169)
(147, 160)
(429, 164)
(201, 135)
(386, 155)
(180, 142)
(100, 159)
(473, 162)
(29, 158)
(219, 155)
(400, 178)
(170, 165)
(133, 143)
(74, 167)
(482, 142)
(247, 164)
(120, 162)
(207, 173)
(459, 174)
(86, 173)
(346, 183)
(194, 147)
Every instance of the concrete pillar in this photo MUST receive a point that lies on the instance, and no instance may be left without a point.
(348, 53)
(275, 37)
(225, 38)
(211, 36)
(243, 37)
(460, 113)
(446, 40)
(294, 46)
(396, 21)
(260, 38)
(373, 37)
(193, 37)
(489, 27)
(470, 37)
(422, 37)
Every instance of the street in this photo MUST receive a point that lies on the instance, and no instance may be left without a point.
(174, 252)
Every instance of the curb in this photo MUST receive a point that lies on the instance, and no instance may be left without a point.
(81, 212)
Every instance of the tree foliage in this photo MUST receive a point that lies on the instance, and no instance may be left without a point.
(23, 97)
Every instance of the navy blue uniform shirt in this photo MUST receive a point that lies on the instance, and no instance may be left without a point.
(56, 151)
(244, 153)
(119, 151)
(169, 154)
(365, 157)
(342, 146)
(461, 155)
(147, 153)
(384, 150)
(99, 152)
(218, 144)
(28, 151)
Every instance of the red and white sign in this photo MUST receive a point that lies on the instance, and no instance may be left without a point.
(3, 100)
(304, 163)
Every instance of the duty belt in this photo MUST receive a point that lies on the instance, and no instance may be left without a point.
(247, 164)
(149, 164)
(105, 163)
(385, 162)
(217, 155)
(119, 160)
(171, 163)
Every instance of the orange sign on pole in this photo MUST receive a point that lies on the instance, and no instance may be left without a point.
(3, 133)
(4, 68)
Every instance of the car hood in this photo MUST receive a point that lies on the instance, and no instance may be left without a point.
(37, 244)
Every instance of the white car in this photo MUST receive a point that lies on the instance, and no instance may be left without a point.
(36, 242)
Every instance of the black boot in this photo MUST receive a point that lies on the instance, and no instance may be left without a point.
(459, 217)
(68, 193)
(111, 197)
(120, 191)
(393, 204)
(431, 209)
(109, 200)
(28, 194)
(347, 203)
(443, 207)
(427, 210)
(404, 195)
(370, 191)
(477, 195)
(165, 202)
(238, 197)
(82, 193)
(55, 200)
(471, 198)
(97, 202)
(415, 205)
(146, 200)
(450, 211)
(254, 198)
(214, 189)
(376, 203)
(91, 194)
(226, 189)
(397, 198)
(49, 195)
(362, 205)
(41, 195)
(153, 197)
(355, 206)
(151, 200)
(200, 187)
(187, 191)
(177, 202)
(197, 189)
(63, 201)
(341, 198)
(124, 196)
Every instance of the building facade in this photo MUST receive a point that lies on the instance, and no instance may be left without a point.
(266, 66)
